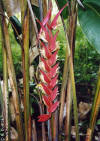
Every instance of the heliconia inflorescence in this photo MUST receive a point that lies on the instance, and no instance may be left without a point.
(48, 64)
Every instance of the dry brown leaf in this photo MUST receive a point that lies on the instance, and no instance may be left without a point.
(84, 109)
(13, 134)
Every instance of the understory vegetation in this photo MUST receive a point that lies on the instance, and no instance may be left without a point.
(49, 70)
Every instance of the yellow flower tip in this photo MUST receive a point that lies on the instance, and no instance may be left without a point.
(39, 86)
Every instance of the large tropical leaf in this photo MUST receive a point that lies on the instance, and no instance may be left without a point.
(90, 22)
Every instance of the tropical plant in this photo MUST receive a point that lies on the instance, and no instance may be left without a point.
(38, 40)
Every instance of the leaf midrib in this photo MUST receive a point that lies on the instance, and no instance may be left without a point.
(91, 7)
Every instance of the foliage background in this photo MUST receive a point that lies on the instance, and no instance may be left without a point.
(86, 62)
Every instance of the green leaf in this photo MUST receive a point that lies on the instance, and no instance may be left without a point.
(98, 122)
(90, 22)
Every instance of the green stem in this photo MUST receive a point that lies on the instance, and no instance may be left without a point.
(68, 111)
(1, 102)
(63, 89)
(65, 74)
(74, 98)
(71, 34)
(95, 110)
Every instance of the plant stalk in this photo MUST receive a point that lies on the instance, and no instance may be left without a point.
(40, 10)
(12, 78)
(5, 94)
(45, 8)
(95, 110)
(25, 63)
(55, 126)
(63, 89)
(49, 130)
(34, 133)
(5, 91)
(74, 98)
(43, 124)
(65, 74)
(68, 111)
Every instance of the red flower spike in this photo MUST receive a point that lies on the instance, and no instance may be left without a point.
(47, 18)
(44, 117)
(46, 89)
(54, 22)
(45, 76)
(54, 94)
(55, 36)
(52, 43)
(52, 108)
(48, 26)
(53, 71)
(52, 59)
(47, 67)
(53, 82)
(47, 101)
(44, 29)
(47, 52)
(49, 62)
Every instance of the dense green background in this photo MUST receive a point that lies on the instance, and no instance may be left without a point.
(16, 51)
